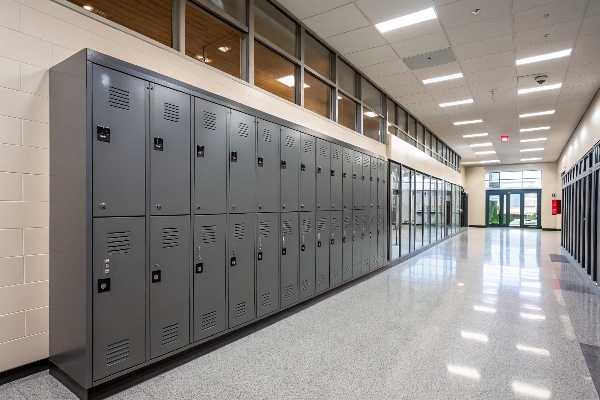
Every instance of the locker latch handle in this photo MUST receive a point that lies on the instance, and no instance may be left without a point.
(318, 170)
(302, 167)
(283, 164)
(354, 176)
(158, 144)
(332, 173)
(344, 174)
(377, 179)
(363, 177)
(260, 161)
(199, 151)
(103, 134)
(234, 156)
(371, 179)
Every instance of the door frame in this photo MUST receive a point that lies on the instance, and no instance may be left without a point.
(508, 192)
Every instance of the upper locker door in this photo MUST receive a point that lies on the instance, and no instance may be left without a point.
(335, 249)
(357, 181)
(373, 238)
(323, 240)
(336, 177)
(381, 184)
(289, 258)
(308, 179)
(323, 175)
(366, 193)
(119, 131)
(242, 229)
(366, 241)
(209, 275)
(169, 151)
(289, 166)
(242, 164)
(347, 180)
(210, 155)
(169, 284)
(380, 236)
(267, 264)
(267, 166)
(347, 237)
(374, 177)
(307, 254)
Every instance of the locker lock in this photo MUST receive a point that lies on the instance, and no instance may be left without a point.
(344, 174)
(318, 170)
(158, 144)
(283, 164)
(302, 167)
(377, 179)
(363, 177)
(102, 206)
(354, 176)
(158, 207)
(234, 156)
(199, 151)
(371, 179)
(198, 207)
(260, 161)
(332, 173)
(103, 134)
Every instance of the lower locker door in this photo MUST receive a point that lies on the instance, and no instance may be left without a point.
(357, 239)
(209, 275)
(373, 239)
(267, 264)
(322, 250)
(366, 242)
(307, 255)
(347, 237)
(380, 237)
(241, 267)
(169, 284)
(119, 295)
(335, 249)
(289, 259)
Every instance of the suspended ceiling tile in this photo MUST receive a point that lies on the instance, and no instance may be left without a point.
(588, 43)
(413, 98)
(307, 8)
(437, 71)
(484, 47)
(372, 56)
(544, 49)
(454, 94)
(582, 70)
(565, 31)
(519, 5)
(384, 69)
(584, 58)
(496, 86)
(498, 60)
(593, 8)
(582, 89)
(498, 95)
(412, 31)
(460, 12)
(543, 105)
(405, 90)
(356, 40)
(390, 81)
(488, 104)
(422, 44)
(593, 79)
(339, 20)
(384, 10)
(491, 75)
(430, 59)
(553, 76)
(481, 30)
(590, 25)
(560, 11)
(549, 68)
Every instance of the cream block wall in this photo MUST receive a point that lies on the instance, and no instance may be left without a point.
(475, 188)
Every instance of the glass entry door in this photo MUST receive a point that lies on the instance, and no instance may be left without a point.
(513, 208)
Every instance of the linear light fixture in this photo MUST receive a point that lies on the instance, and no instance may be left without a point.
(456, 103)
(442, 78)
(289, 81)
(539, 88)
(406, 20)
(544, 57)
(486, 152)
(533, 140)
(475, 135)
(475, 121)
(529, 150)
(485, 162)
(531, 159)
(537, 113)
(481, 144)
(541, 128)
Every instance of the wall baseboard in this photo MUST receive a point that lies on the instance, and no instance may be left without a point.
(551, 229)
(477, 226)
(23, 371)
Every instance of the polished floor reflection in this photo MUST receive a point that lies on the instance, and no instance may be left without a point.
(484, 315)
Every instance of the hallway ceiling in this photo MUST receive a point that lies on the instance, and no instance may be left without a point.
(484, 47)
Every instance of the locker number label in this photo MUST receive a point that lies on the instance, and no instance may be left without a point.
(233, 262)
(103, 285)
(156, 276)
(199, 267)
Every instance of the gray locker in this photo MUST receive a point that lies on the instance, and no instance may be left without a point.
(308, 179)
(323, 241)
(267, 264)
(366, 189)
(119, 299)
(357, 181)
(307, 254)
(366, 241)
(335, 249)
(241, 266)
(289, 258)
(210, 158)
(323, 175)
(381, 238)
(357, 239)
(382, 184)
(267, 166)
(242, 164)
(373, 238)
(347, 238)
(209, 275)
(336, 177)
(119, 124)
(347, 180)
(289, 167)
(170, 121)
(169, 284)
(374, 176)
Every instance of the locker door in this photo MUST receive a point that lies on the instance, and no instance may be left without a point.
(267, 264)
(289, 164)
(336, 177)
(366, 189)
(374, 176)
(380, 237)
(119, 299)
(323, 240)
(308, 179)
(242, 164)
(267, 166)
(170, 121)
(289, 258)
(169, 284)
(347, 238)
(385, 236)
(366, 241)
(347, 180)
(307, 254)
(335, 249)
(357, 182)
(381, 184)
(323, 175)
(210, 166)
(357, 239)
(209, 275)
(373, 238)
(119, 121)
(242, 229)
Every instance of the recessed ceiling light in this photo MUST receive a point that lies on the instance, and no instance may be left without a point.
(544, 57)
(475, 121)
(371, 114)
(530, 150)
(475, 135)
(489, 161)
(481, 145)
(406, 20)
(289, 81)
(485, 152)
(533, 140)
(442, 78)
(456, 103)
(89, 8)
(531, 159)
(537, 113)
(224, 49)
(541, 128)
(540, 88)
(476, 11)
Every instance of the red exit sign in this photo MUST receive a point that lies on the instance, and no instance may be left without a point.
(504, 138)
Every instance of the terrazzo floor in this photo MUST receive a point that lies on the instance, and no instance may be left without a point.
(483, 315)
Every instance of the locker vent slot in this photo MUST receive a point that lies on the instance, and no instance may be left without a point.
(357, 159)
(209, 234)
(366, 161)
(323, 151)
(267, 136)
(335, 153)
(380, 218)
(356, 220)
(288, 291)
(238, 231)
(346, 270)
(210, 121)
(335, 223)
(372, 219)
(381, 258)
(357, 265)
(118, 98)
(346, 222)
(287, 228)
(264, 229)
(305, 285)
(118, 242)
(117, 352)
(243, 129)
(265, 300)
(321, 224)
(336, 274)
(240, 310)
(347, 157)
(289, 141)
(209, 320)
(374, 260)
(171, 112)
(306, 228)
(381, 166)
(170, 238)
(366, 264)
(308, 146)
(170, 334)
(373, 163)
(365, 220)
(321, 280)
